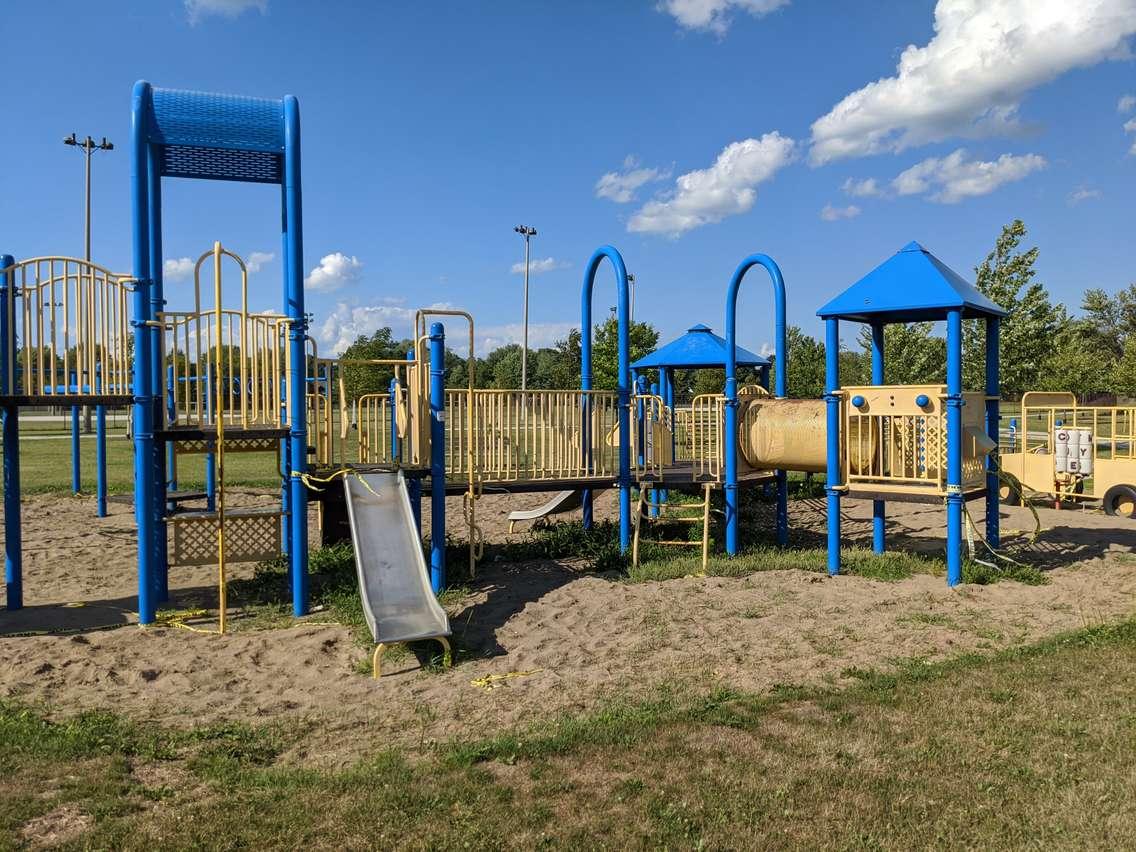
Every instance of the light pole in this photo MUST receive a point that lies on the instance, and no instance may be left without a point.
(88, 146)
(528, 233)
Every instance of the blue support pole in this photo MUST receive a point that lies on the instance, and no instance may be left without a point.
(731, 419)
(437, 457)
(13, 533)
(993, 416)
(210, 458)
(157, 374)
(143, 404)
(954, 447)
(623, 379)
(832, 422)
(297, 333)
(879, 511)
(100, 453)
(76, 475)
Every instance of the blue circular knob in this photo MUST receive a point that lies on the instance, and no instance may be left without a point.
(922, 400)
(858, 401)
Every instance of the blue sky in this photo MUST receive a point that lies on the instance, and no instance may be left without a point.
(687, 133)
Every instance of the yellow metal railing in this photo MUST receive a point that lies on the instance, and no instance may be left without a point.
(373, 422)
(1113, 427)
(705, 438)
(652, 436)
(71, 328)
(893, 444)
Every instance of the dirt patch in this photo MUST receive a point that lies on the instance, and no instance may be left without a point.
(61, 825)
(583, 637)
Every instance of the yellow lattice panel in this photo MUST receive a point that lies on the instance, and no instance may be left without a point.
(251, 535)
(232, 445)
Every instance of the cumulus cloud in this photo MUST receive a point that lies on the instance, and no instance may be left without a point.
(714, 15)
(540, 334)
(539, 265)
(1127, 103)
(866, 188)
(620, 186)
(727, 188)
(952, 178)
(345, 323)
(257, 260)
(1083, 193)
(834, 214)
(969, 79)
(334, 271)
(1130, 127)
(177, 269)
(196, 10)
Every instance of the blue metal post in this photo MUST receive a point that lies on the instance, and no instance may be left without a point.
(143, 404)
(157, 374)
(76, 476)
(832, 422)
(13, 534)
(993, 416)
(100, 453)
(210, 458)
(171, 413)
(623, 379)
(640, 385)
(731, 419)
(297, 334)
(437, 457)
(954, 447)
(879, 511)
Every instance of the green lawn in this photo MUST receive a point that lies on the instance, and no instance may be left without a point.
(1034, 748)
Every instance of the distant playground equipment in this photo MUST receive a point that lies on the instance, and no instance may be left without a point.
(215, 379)
(1072, 452)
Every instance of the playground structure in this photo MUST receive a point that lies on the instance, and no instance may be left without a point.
(215, 378)
(1073, 452)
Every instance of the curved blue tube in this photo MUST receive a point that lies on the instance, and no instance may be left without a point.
(141, 106)
(954, 447)
(13, 533)
(731, 425)
(437, 457)
(624, 380)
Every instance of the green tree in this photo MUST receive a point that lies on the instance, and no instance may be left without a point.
(806, 365)
(1075, 364)
(360, 379)
(643, 337)
(1109, 321)
(913, 355)
(1027, 333)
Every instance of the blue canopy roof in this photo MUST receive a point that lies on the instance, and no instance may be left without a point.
(699, 348)
(911, 286)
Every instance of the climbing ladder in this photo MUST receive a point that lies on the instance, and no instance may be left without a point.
(669, 513)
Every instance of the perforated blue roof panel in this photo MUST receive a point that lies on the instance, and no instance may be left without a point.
(221, 137)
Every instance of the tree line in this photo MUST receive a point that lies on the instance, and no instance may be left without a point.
(1042, 347)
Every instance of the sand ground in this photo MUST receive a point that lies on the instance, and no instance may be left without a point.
(580, 637)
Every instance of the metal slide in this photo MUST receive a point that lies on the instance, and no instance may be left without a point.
(398, 602)
(562, 501)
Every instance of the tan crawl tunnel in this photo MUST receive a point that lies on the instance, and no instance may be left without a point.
(789, 434)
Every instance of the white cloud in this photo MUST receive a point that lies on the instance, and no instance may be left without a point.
(1127, 103)
(1083, 193)
(177, 269)
(342, 326)
(866, 188)
(1130, 127)
(539, 265)
(334, 271)
(196, 10)
(970, 78)
(620, 186)
(541, 334)
(726, 188)
(952, 178)
(258, 259)
(714, 15)
(834, 214)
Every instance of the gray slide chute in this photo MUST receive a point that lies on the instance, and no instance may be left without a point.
(394, 582)
(562, 501)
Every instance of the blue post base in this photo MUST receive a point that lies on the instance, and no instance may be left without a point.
(730, 491)
(624, 518)
(13, 538)
(782, 508)
(879, 542)
(76, 474)
(833, 532)
(586, 508)
(100, 461)
(211, 482)
(414, 492)
(954, 539)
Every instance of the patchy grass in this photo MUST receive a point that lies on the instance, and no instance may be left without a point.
(1025, 748)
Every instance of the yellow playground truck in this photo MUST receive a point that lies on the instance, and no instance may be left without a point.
(1072, 452)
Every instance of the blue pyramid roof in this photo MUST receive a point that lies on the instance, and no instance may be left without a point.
(697, 349)
(911, 286)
